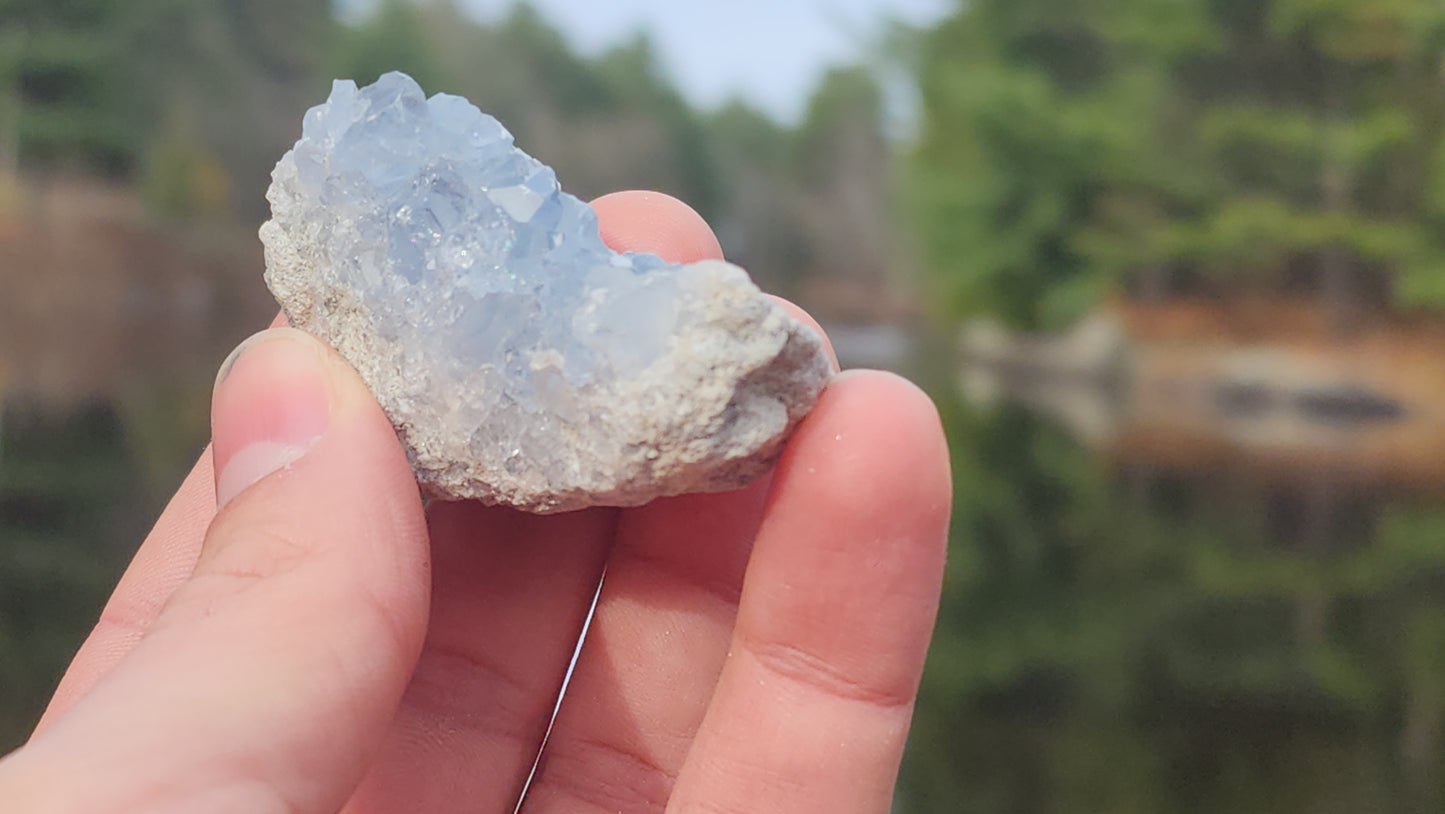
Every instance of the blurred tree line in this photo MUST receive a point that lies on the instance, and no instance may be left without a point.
(1119, 638)
(194, 100)
(1116, 637)
(1285, 147)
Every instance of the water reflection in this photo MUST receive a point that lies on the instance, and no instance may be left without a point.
(1165, 600)
(111, 325)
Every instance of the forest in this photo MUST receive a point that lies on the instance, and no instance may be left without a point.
(1292, 147)
(190, 102)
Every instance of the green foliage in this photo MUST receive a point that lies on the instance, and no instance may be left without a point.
(760, 220)
(1131, 640)
(847, 102)
(1068, 149)
(750, 136)
(393, 39)
(556, 71)
(632, 78)
(182, 178)
(91, 84)
(193, 100)
(63, 477)
(65, 68)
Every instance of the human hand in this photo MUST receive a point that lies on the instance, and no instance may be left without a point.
(305, 650)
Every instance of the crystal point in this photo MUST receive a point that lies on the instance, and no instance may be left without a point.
(521, 360)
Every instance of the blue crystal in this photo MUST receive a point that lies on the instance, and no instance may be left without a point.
(433, 186)
(521, 359)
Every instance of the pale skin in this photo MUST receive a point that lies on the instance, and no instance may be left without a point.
(326, 643)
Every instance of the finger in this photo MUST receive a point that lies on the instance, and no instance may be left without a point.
(661, 224)
(640, 221)
(656, 645)
(268, 678)
(813, 704)
(511, 593)
(164, 560)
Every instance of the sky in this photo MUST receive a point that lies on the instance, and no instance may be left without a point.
(771, 53)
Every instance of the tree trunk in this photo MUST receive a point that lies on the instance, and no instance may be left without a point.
(12, 49)
(1337, 277)
(1153, 285)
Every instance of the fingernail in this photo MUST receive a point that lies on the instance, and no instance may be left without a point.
(272, 402)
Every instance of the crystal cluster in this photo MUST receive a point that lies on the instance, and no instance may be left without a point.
(521, 361)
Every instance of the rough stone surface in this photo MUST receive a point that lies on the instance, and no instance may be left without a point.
(521, 360)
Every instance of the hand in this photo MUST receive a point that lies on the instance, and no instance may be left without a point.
(304, 649)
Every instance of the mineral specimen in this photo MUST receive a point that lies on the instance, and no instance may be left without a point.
(521, 361)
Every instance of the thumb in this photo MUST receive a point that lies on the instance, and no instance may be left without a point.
(271, 675)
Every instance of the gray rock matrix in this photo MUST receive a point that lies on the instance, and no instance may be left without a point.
(521, 361)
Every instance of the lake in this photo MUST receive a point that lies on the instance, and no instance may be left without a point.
(1148, 614)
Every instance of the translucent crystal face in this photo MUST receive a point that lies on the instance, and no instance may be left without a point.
(447, 232)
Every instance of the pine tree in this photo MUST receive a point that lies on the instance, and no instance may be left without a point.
(68, 75)
(1284, 146)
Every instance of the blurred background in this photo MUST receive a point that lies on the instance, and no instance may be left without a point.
(1173, 270)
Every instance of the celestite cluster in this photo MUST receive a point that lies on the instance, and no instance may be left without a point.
(521, 360)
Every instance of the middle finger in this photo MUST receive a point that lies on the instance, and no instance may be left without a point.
(652, 656)
(510, 593)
